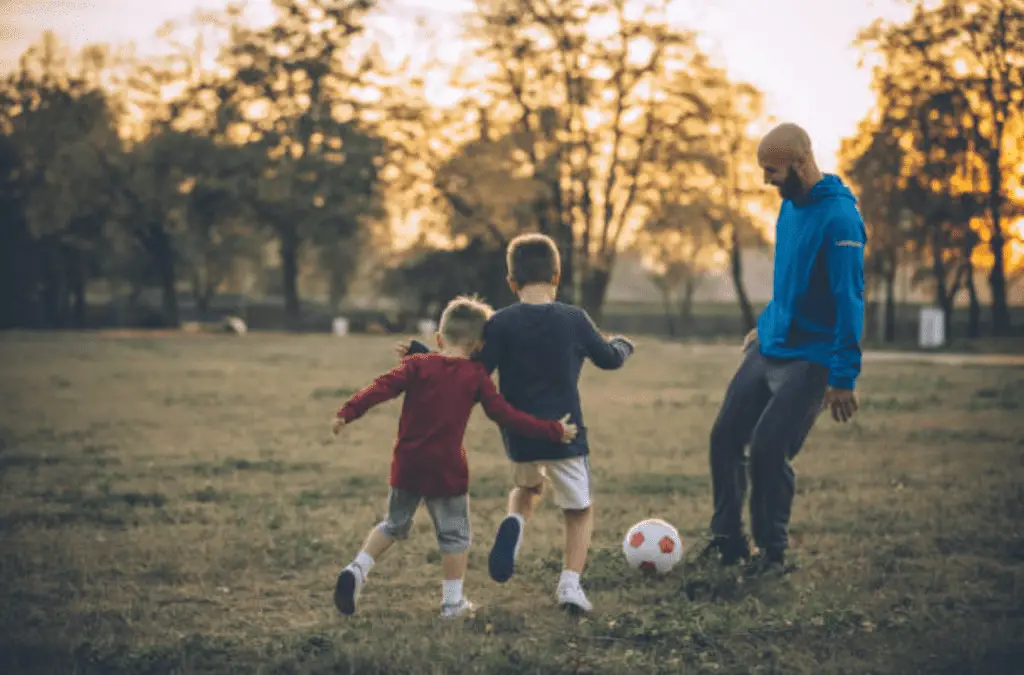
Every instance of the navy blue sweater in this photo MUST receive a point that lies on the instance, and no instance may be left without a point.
(539, 350)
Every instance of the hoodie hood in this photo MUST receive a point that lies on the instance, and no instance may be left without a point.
(828, 187)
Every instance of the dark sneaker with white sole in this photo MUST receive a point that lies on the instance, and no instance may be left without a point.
(502, 561)
(346, 590)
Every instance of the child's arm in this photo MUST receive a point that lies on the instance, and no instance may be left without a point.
(488, 355)
(386, 387)
(606, 354)
(501, 412)
(417, 347)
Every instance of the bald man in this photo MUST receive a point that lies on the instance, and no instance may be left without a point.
(804, 355)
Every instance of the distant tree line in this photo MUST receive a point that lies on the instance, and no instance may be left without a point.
(938, 163)
(297, 146)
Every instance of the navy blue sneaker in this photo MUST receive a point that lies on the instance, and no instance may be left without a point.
(502, 561)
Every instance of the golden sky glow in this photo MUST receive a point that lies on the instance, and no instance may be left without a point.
(797, 51)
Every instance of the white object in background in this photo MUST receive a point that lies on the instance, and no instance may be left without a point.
(235, 325)
(932, 331)
(427, 328)
(340, 326)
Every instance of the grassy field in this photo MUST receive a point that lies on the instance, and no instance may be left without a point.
(177, 505)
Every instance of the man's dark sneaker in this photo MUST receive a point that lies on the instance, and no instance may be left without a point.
(769, 562)
(729, 550)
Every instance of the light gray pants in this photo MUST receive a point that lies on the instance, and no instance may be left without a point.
(449, 514)
(770, 404)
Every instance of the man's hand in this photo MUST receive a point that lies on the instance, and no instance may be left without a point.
(751, 336)
(402, 349)
(568, 430)
(337, 425)
(842, 403)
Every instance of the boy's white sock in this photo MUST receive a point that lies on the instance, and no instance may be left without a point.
(451, 592)
(569, 578)
(522, 531)
(364, 561)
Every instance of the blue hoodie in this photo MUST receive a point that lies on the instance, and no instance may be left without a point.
(817, 308)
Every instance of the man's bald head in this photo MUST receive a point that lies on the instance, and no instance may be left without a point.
(787, 159)
(787, 142)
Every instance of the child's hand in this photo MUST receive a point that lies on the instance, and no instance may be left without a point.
(402, 349)
(568, 430)
(337, 425)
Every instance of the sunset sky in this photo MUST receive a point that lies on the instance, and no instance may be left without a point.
(797, 51)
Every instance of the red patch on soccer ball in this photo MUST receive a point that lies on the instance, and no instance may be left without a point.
(636, 540)
(667, 545)
(648, 566)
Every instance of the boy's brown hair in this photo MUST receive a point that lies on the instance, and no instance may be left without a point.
(463, 320)
(533, 259)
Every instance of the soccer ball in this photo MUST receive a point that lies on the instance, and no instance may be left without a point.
(653, 546)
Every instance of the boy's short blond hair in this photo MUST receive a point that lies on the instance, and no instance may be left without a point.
(463, 320)
(533, 259)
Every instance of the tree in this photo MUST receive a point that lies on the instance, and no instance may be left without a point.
(293, 97)
(873, 162)
(591, 93)
(59, 133)
(682, 244)
(975, 49)
(738, 189)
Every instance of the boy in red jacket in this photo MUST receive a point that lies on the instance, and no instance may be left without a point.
(429, 462)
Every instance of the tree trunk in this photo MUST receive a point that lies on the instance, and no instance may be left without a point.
(997, 282)
(66, 261)
(164, 254)
(686, 307)
(593, 291)
(890, 306)
(670, 313)
(942, 298)
(974, 310)
(736, 256)
(997, 242)
(289, 250)
(566, 248)
(78, 284)
(201, 294)
(51, 285)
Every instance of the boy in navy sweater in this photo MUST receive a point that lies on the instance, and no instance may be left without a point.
(429, 461)
(538, 346)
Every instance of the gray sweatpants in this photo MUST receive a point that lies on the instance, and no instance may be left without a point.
(771, 405)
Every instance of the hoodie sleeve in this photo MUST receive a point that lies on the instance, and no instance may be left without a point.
(846, 241)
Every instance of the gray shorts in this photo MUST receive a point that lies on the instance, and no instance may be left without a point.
(449, 514)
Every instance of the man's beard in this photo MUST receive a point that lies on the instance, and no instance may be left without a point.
(791, 187)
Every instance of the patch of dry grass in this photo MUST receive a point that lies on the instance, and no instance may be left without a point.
(178, 505)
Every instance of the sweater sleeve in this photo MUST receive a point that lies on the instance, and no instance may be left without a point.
(502, 413)
(605, 354)
(386, 387)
